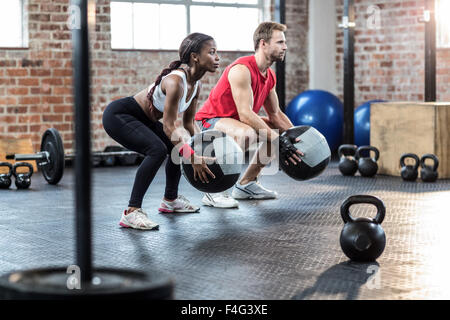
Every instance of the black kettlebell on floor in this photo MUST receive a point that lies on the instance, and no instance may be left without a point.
(429, 173)
(347, 163)
(409, 172)
(363, 239)
(367, 166)
(5, 178)
(23, 180)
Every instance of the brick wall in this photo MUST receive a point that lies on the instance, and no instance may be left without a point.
(297, 72)
(443, 75)
(36, 82)
(389, 62)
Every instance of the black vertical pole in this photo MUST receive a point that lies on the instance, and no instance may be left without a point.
(280, 70)
(349, 72)
(82, 140)
(430, 53)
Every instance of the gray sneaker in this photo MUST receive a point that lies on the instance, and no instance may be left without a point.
(252, 190)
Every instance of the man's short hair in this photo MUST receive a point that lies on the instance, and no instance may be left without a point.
(265, 30)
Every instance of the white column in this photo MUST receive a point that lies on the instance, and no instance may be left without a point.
(322, 45)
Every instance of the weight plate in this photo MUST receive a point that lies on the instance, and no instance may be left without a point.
(127, 160)
(96, 162)
(52, 143)
(54, 283)
(111, 160)
(122, 160)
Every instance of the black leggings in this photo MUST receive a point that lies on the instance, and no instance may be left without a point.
(126, 122)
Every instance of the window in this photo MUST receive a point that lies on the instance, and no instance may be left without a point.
(442, 9)
(153, 24)
(137, 25)
(13, 19)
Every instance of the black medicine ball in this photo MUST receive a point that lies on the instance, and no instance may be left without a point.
(227, 167)
(317, 153)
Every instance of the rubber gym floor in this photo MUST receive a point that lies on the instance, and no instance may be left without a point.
(286, 248)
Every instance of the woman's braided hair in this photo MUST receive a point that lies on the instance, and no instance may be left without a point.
(191, 44)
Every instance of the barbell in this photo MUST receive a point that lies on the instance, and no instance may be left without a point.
(51, 158)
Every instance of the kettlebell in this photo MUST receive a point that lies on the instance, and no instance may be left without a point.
(5, 178)
(363, 239)
(429, 173)
(347, 163)
(367, 166)
(23, 180)
(409, 172)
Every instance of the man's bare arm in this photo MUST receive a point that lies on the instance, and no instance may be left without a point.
(276, 117)
(241, 89)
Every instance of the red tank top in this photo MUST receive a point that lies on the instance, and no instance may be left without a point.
(220, 102)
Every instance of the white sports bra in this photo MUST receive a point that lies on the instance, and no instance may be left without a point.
(159, 97)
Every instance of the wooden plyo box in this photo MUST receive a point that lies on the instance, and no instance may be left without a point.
(417, 127)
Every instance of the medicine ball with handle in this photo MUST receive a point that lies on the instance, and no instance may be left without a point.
(226, 168)
(316, 152)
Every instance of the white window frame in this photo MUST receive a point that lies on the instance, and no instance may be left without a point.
(188, 3)
(442, 40)
(24, 31)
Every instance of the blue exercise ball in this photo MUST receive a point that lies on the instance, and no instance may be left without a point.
(362, 123)
(319, 109)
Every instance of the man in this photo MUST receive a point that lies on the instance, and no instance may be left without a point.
(233, 105)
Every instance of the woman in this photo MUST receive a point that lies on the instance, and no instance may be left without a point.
(133, 122)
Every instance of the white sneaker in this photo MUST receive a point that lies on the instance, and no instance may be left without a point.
(220, 200)
(180, 204)
(252, 190)
(137, 220)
